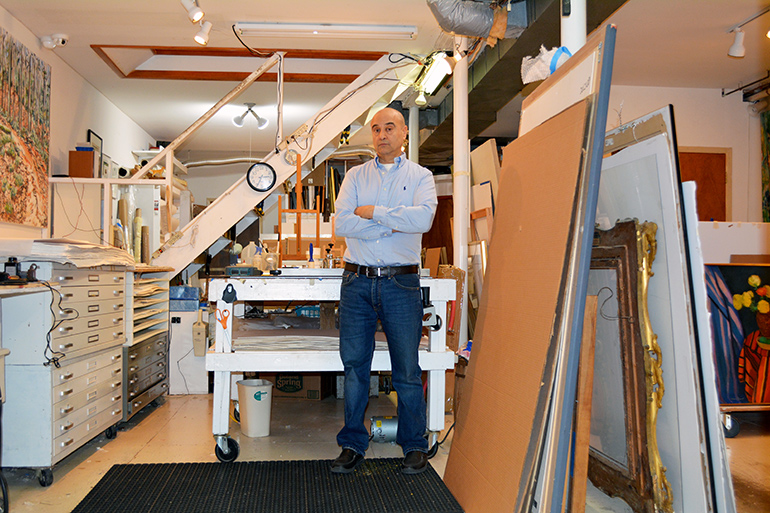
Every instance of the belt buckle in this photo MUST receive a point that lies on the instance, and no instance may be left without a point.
(374, 272)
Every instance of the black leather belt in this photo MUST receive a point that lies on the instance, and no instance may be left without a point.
(381, 272)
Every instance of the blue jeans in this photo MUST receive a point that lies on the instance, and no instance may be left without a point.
(396, 302)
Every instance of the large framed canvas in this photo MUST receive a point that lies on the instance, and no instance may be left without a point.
(25, 97)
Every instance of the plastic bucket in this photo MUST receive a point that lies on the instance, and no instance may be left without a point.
(254, 399)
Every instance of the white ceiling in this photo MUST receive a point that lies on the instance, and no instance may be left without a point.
(677, 43)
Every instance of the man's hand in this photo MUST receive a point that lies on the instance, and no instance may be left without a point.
(365, 211)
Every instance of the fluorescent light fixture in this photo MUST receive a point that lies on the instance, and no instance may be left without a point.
(202, 37)
(436, 72)
(194, 12)
(326, 30)
(261, 122)
(737, 49)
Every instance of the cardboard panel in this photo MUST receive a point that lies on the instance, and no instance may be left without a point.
(518, 308)
(485, 165)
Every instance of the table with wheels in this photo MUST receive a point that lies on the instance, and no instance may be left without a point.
(303, 351)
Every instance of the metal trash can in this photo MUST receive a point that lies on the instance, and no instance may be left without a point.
(255, 400)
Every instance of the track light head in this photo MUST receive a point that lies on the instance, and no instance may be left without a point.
(194, 12)
(737, 50)
(202, 37)
(421, 100)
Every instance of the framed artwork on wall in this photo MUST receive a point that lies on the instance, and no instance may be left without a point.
(25, 106)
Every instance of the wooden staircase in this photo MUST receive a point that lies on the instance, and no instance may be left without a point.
(375, 87)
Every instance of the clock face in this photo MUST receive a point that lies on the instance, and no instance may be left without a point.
(261, 177)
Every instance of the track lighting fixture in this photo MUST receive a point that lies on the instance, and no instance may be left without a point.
(421, 100)
(737, 49)
(194, 12)
(202, 37)
(261, 122)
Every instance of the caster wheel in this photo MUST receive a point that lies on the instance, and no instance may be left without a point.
(111, 432)
(731, 428)
(232, 454)
(432, 451)
(45, 478)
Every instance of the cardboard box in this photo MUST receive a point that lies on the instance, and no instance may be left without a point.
(313, 386)
(82, 164)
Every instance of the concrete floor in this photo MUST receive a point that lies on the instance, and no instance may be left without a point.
(179, 430)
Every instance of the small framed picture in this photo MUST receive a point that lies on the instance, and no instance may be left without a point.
(106, 166)
(98, 144)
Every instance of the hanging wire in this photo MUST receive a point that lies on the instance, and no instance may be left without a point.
(601, 309)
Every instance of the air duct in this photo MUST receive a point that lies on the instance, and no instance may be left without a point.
(480, 19)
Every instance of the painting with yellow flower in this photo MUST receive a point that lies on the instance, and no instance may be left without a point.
(739, 302)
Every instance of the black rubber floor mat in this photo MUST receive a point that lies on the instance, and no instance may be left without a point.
(377, 485)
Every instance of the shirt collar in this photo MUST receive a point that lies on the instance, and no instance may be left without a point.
(397, 161)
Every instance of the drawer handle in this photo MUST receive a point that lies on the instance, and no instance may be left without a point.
(116, 371)
(117, 292)
(131, 381)
(65, 278)
(67, 442)
(161, 364)
(66, 410)
(118, 307)
(65, 376)
(161, 375)
(67, 311)
(117, 398)
(66, 392)
(117, 279)
(66, 346)
(117, 335)
(65, 296)
(93, 338)
(161, 353)
(117, 384)
(117, 320)
(131, 369)
(117, 412)
(65, 329)
(161, 343)
(117, 357)
(164, 385)
(93, 293)
(137, 403)
(93, 308)
(132, 356)
(132, 394)
(67, 426)
(93, 323)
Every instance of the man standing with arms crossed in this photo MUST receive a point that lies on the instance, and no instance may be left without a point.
(383, 208)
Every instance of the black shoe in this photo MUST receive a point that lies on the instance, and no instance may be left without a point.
(346, 462)
(415, 462)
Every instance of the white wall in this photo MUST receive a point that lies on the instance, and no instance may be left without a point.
(704, 118)
(76, 106)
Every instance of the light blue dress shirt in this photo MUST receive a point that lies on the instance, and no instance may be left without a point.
(404, 199)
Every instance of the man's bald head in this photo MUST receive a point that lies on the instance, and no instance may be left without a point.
(388, 134)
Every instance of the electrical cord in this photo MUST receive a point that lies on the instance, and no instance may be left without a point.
(52, 357)
(250, 49)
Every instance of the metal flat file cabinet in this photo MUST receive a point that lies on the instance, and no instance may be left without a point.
(146, 349)
(64, 375)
